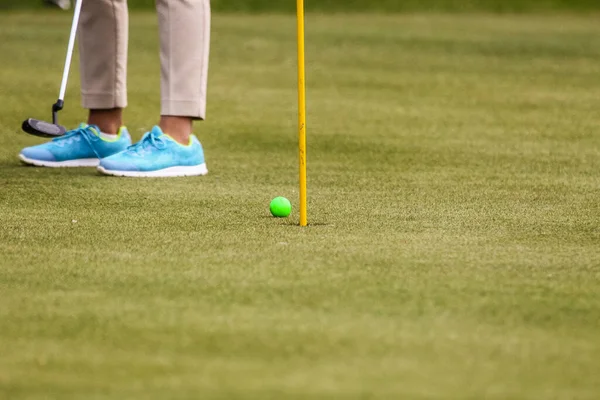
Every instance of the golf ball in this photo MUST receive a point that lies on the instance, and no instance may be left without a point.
(280, 207)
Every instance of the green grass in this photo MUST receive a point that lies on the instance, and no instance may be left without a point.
(453, 252)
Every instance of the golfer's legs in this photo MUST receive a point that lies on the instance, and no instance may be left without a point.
(103, 35)
(184, 44)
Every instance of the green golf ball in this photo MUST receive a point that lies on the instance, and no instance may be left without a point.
(280, 207)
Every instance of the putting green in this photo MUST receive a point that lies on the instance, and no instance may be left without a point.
(454, 176)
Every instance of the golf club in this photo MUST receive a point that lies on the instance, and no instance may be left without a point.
(46, 129)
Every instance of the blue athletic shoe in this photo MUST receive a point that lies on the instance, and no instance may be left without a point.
(81, 147)
(157, 155)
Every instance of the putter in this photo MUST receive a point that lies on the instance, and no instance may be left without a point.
(45, 129)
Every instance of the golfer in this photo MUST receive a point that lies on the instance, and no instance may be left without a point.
(170, 148)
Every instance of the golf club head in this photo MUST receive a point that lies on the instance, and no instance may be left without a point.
(42, 129)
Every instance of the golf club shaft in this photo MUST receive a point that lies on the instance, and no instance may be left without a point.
(65, 78)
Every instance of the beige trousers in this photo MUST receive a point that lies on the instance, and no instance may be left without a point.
(184, 27)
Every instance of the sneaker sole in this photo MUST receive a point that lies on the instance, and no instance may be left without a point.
(82, 162)
(171, 172)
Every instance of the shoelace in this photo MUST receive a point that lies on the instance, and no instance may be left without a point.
(75, 135)
(70, 136)
(148, 140)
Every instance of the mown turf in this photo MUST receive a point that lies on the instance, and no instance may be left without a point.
(453, 252)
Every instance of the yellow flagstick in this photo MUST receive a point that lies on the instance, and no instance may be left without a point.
(302, 113)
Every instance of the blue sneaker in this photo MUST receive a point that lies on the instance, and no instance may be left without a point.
(81, 147)
(157, 155)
